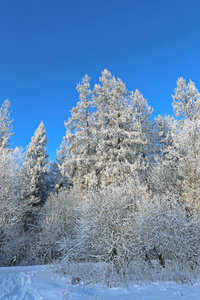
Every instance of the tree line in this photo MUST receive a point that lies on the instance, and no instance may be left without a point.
(123, 190)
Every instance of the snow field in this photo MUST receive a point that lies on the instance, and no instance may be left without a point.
(40, 283)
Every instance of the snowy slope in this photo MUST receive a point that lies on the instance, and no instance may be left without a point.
(39, 282)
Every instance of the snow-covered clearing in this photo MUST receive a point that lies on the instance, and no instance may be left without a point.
(39, 282)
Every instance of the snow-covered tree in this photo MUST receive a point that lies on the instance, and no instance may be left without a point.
(119, 124)
(5, 124)
(144, 146)
(188, 141)
(62, 153)
(57, 175)
(62, 178)
(164, 174)
(186, 103)
(109, 134)
(80, 150)
(36, 164)
(186, 100)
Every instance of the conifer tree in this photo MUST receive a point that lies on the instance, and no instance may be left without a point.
(186, 104)
(186, 100)
(36, 164)
(61, 180)
(118, 133)
(80, 148)
(107, 133)
(109, 120)
(5, 124)
(164, 173)
(143, 145)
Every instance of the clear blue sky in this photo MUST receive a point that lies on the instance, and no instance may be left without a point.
(46, 47)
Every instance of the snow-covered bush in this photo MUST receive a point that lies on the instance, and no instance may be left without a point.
(105, 232)
(168, 234)
(58, 220)
(124, 234)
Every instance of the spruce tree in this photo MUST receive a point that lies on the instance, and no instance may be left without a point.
(119, 135)
(79, 137)
(5, 124)
(143, 147)
(186, 104)
(36, 164)
(164, 176)
(58, 171)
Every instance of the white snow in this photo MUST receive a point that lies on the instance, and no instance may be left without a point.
(39, 282)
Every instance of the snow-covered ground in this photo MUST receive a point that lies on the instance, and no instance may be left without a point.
(39, 282)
